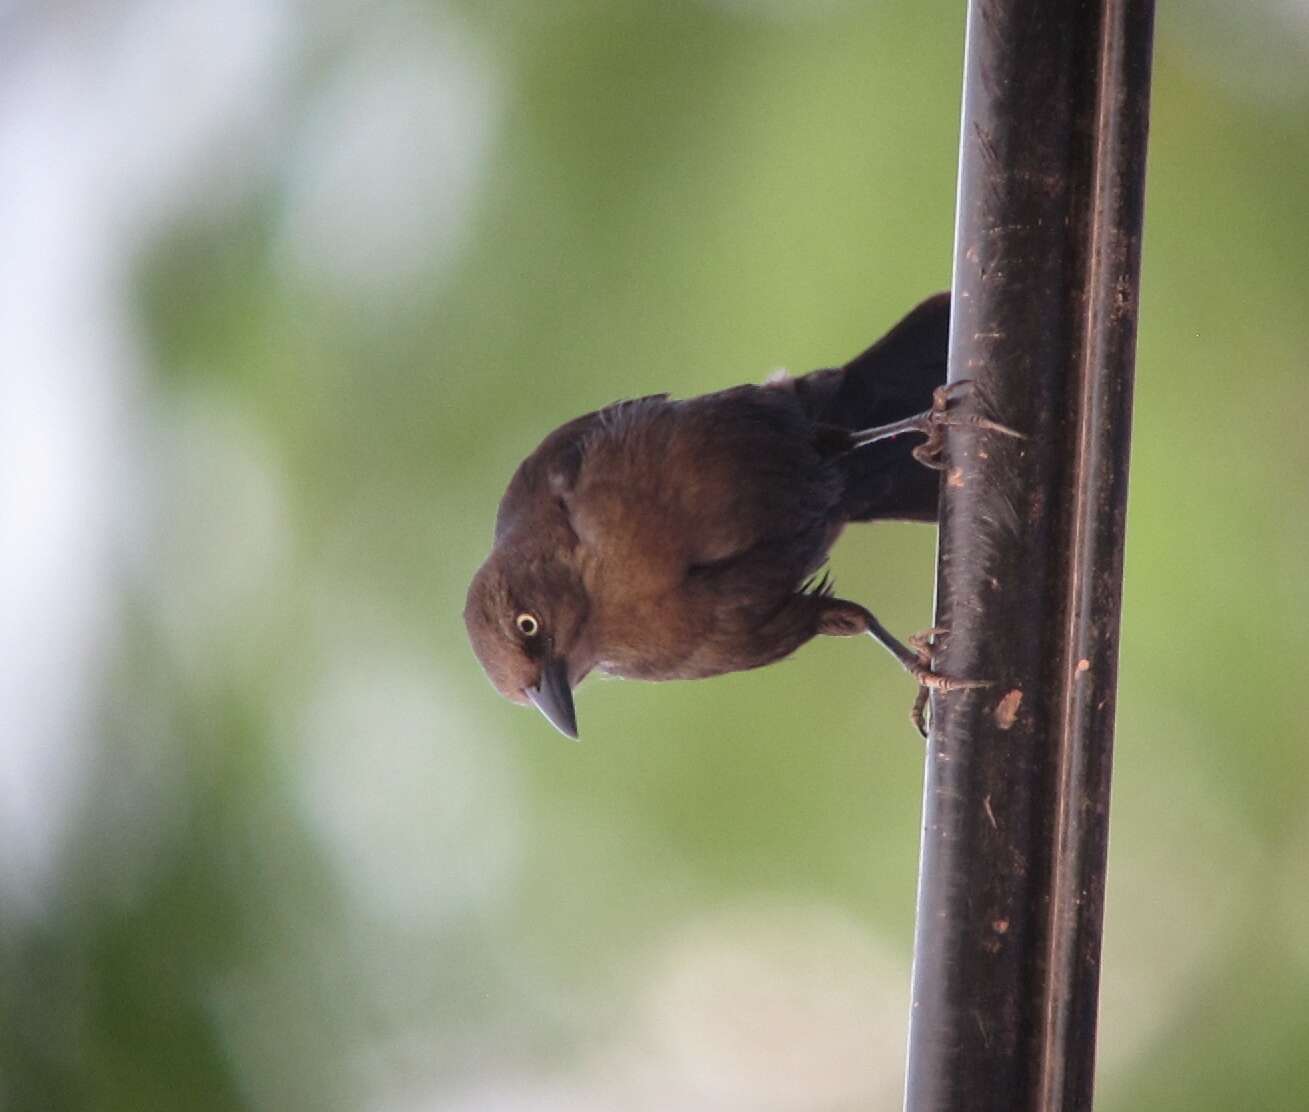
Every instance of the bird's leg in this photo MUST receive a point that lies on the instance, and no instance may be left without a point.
(841, 618)
(932, 424)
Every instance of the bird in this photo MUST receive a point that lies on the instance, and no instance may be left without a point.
(663, 539)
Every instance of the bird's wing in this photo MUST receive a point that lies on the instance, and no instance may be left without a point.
(676, 488)
(550, 472)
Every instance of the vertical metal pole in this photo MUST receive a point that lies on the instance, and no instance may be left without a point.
(1047, 253)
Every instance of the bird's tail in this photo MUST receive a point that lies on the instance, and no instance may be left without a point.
(893, 379)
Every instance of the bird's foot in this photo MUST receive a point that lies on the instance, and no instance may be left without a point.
(924, 642)
(939, 418)
(933, 423)
(925, 645)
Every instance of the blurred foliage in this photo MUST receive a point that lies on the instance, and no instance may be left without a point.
(318, 864)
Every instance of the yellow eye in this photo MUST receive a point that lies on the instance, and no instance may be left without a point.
(527, 624)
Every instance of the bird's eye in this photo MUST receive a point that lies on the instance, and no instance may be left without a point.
(527, 624)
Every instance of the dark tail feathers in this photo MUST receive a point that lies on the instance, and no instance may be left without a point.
(893, 379)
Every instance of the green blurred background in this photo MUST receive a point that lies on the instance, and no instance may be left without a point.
(286, 291)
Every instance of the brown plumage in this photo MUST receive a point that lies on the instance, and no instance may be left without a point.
(658, 539)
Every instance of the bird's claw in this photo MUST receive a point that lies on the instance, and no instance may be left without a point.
(925, 645)
(939, 418)
(924, 642)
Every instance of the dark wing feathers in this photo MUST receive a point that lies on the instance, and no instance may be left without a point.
(552, 470)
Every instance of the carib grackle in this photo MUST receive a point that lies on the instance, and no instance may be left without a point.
(658, 539)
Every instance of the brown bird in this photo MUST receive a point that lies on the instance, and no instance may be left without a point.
(658, 540)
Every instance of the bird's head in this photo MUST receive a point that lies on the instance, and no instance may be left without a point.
(526, 620)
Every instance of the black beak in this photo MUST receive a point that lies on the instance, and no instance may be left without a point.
(554, 698)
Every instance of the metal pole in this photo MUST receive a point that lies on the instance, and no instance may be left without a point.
(1047, 254)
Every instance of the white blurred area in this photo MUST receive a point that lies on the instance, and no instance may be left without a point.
(392, 779)
(381, 177)
(121, 501)
(118, 122)
(761, 1006)
(105, 137)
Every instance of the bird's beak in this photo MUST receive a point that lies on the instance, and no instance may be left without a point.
(554, 698)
